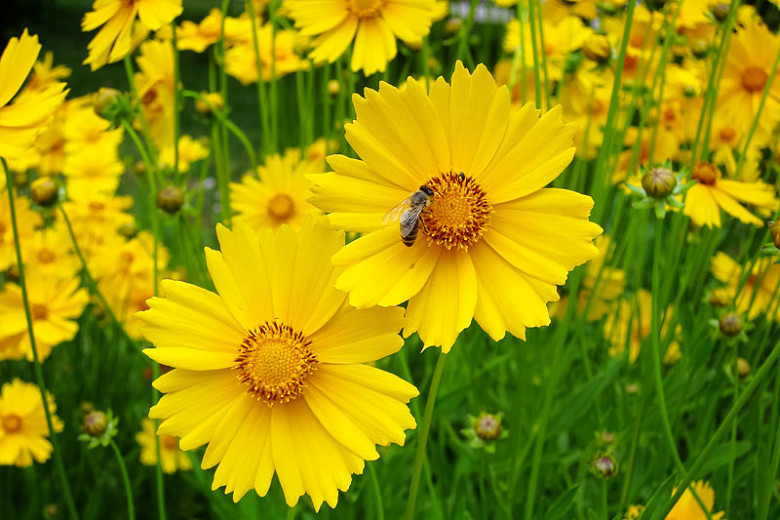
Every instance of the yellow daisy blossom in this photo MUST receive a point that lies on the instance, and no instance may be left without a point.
(114, 40)
(190, 150)
(22, 121)
(278, 196)
(84, 128)
(100, 168)
(23, 428)
(374, 26)
(270, 372)
(712, 193)
(688, 508)
(493, 242)
(49, 252)
(54, 305)
(198, 36)
(171, 456)
(45, 74)
(758, 294)
(279, 52)
(154, 84)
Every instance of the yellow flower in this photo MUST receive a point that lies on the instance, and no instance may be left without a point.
(374, 26)
(279, 53)
(712, 193)
(100, 168)
(55, 304)
(22, 121)
(758, 293)
(114, 40)
(154, 84)
(173, 458)
(746, 72)
(270, 372)
(23, 428)
(492, 242)
(198, 36)
(190, 150)
(276, 195)
(95, 215)
(688, 508)
(44, 75)
(85, 129)
(49, 252)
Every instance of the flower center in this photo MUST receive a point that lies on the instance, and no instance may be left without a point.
(39, 311)
(12, 423)
(275, 361)
(45, 256)
(754, 79)
(281, 207)
(705, 173)
(459, 213)
(365, 8)
(169, 442)
(727, 134)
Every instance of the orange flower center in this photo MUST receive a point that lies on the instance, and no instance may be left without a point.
(169, 442)
(39, 311)
(12, 423)
(754, 79)
(281, 208)
(459, 213)
(705, 173)
(727, 134)
(45, 256)
(365, 8)
(274, 362)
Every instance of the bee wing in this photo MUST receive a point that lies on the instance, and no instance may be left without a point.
(395, 213)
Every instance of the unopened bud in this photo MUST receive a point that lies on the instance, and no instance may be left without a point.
(170, 199)
(44, 191)
(597, 48)
(730, 324)
(128, 230)
(103, 98)
(659, 183)
(774, 232)
(699, 47)
(604, 465)
(720, 11)
(94, 423)
(333, 87)
(488, 427)
(743, 368)
(453, 25)
(139, 168)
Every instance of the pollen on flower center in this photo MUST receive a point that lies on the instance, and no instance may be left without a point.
(169, 442)
(705, 173)
(754, 79)
(12, 423)
(275, 361)
(45, 256)
(281, 207)
(459, 213)
(39, 311)
(365, 8)
(727, 133)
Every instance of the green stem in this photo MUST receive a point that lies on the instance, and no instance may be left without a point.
(422, 441)
(735, 376)
(536, 57)
(380, 508)
(262, 102)
(176, 102)
(141, 116)
(33, 346)
(125, 480)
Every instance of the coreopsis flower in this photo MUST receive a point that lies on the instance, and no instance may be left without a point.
(630, 323)
(746, 72)
(84, 128)
(199, 36)
(100, 168)
(49, 252)
(172, 457)
(44, 75)
(115, 38)
(711, 193)
(277, 194)
(757, 296)
(271, 371)
(278, 55)
(491, 242)
(688, 507)
(190, 151)
(154, 84)
(23, 428)
(22, 120)
(374, 26)
(55, 304)
(95, 215)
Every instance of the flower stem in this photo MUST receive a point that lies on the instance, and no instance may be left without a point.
(380, 508)
(419, 457)
(125, 480)
(37, 363)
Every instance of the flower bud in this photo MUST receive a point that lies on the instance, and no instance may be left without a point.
(139, 168)
(774, 232)
(720, 11)
(103, 98)
(94, 423)
(170, 199)
(453, 25)
(209, 100)
(597, 48)
(659, 183)
(51, 512)
(333, 87)
(604, 465)
(86, 407)
(743, 368)
(128, 230)
(699, 47)
(730, 324)
(720, 298)
(488, 427)
(44, 191)
(606, 437)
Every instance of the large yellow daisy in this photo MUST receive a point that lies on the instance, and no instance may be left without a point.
(493, 243)
(372, 24)
(23, 428)
(270, 373)
(22, 121)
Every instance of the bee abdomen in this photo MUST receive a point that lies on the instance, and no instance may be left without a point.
(409, 238)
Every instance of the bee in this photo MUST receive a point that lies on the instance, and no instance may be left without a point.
(410, 211)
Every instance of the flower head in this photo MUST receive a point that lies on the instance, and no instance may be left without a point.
(270, 373)
(172, 457)
(23, 429)
(492, 243)
(688, 507)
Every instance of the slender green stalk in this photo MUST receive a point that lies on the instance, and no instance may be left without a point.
(422, 441)
(380, 508)
(125, 480)
(141, 117)
(262, 98)
(733, 441)
(769, 487)
(176, 101)
(33, 346)
(464, 52)
(537, 57)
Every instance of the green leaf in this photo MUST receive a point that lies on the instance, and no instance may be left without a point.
(578, 404)
(561, 505)
(722, 454)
